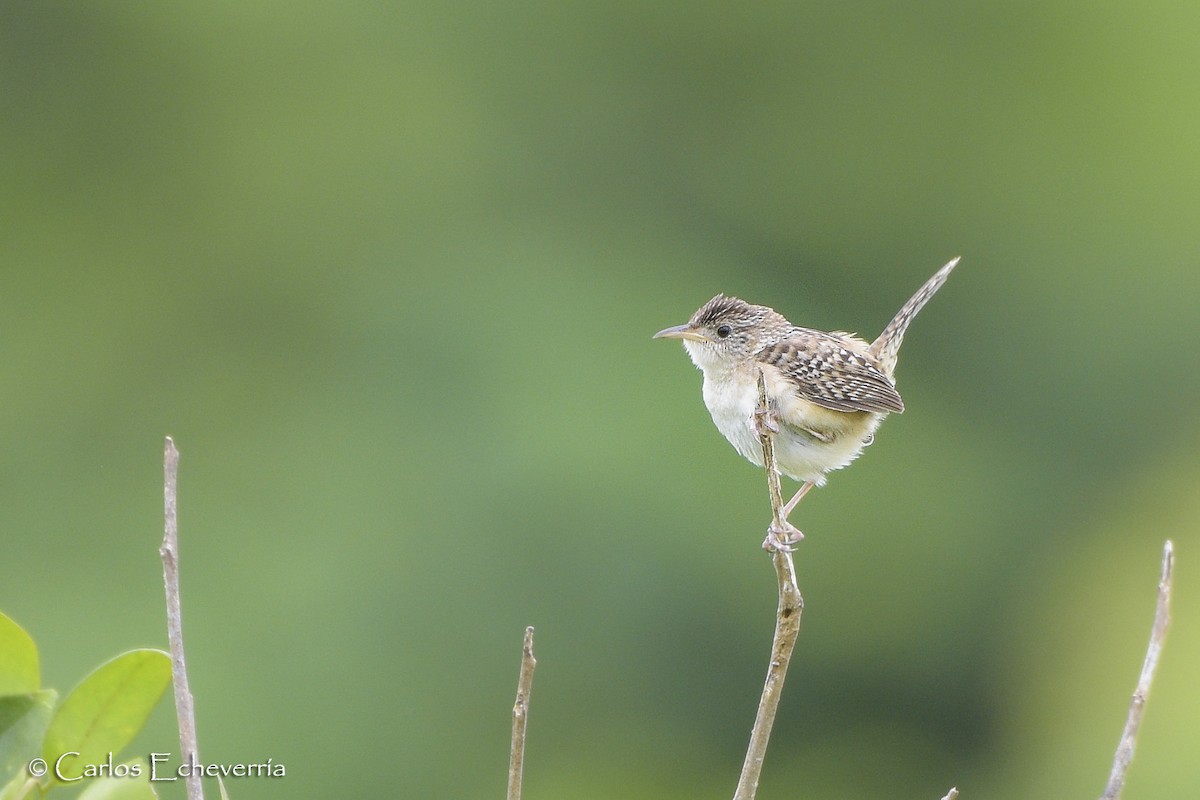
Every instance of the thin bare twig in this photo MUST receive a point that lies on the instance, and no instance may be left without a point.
(169, 552)
(787, 623)
(1158, 634)
(516, 761)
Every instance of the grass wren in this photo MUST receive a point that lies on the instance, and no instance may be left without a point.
(826, 392)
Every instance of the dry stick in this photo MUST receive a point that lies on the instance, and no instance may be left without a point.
(516, 761)
(1158, 634)
(787, 622)
(184, 709)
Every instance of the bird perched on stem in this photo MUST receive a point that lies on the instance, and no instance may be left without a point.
(827, 392)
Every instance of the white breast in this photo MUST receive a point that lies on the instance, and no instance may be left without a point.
(731, 404)
(799, 455)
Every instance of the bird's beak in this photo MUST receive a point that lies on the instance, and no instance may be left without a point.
(682, 332)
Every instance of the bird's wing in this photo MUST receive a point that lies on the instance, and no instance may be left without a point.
(829, 370)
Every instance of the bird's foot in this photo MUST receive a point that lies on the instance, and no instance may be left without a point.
(782, 538)
(766, 421)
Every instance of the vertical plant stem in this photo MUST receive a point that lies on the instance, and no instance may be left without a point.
(516, 761)
(787, 625)
(169, 552)
(1158, 635)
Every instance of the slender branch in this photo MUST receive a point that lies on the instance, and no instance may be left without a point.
(169, 552)
(787, 622)
(1158, 634)
(516, 761)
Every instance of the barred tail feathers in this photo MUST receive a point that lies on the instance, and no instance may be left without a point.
(887, 347)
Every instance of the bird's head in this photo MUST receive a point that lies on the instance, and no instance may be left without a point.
(726, 331)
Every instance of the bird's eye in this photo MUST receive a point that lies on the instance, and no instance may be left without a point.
(724, 331)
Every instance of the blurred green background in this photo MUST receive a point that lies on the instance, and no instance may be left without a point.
(388, 273)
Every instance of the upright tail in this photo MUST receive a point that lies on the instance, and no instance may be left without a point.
(887, 346)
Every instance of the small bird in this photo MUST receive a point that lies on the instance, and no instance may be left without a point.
(826, 392)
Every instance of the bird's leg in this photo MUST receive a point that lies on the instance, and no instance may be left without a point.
(766, 423)
(797, 497)
(780, 538)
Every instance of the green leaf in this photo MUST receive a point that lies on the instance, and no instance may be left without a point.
(20, 787)
(129, 787)
(107, 709)
(23, 721)
(18, 659)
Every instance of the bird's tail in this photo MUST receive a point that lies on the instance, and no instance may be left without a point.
(887, 346)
